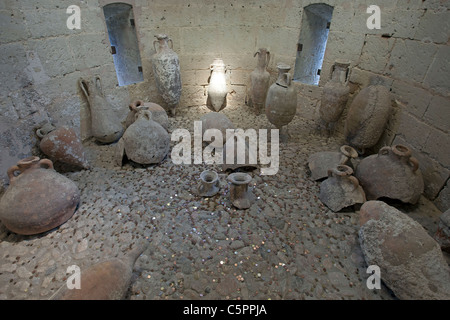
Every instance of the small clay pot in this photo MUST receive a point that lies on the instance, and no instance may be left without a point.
(38, 199)
(341, 189)
(241, 197)
(209, 184)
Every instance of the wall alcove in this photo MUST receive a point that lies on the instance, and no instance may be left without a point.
(312, 42)
(120, 23)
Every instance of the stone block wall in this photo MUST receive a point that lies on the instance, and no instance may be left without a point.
(41, 61)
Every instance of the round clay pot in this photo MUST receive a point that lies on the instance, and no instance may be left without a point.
(391, 173)
(145, 141)
(38, 199)
(216, 120)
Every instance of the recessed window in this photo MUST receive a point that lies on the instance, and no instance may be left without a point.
(312, 43)
(124, 45)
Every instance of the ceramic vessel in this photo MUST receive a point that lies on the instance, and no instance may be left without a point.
(335, 94)
(367, 116)
(391, 173)
(320, 162)
(240, 195)
(259, 82)
(158, 113)
(62, 144)
(38, 198)
(144, 142)
(106, 280)
(166, 69)
(341, 189)
(216, 120)
(238, 154)
(105, 126)
(281, 101)
(209, 184)
(217, 90)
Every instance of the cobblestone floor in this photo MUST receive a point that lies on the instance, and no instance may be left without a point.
(288, 245)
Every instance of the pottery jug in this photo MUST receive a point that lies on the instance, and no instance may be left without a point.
(335, 94)
(106, 280)
(320, 162)
(281, 101)
(341, 189)
(166, 69)
(367, 116)
(105, 126)
(259, 82)
(158, 113)
(240, 195)
(209, 184)
(391, 173)
(62, 144)
(38, 198)
(145, 141)
(217, 90)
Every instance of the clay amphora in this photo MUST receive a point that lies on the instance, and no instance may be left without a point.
(391, 173)
(107, 280)
(241, 197)
(341, 189)
(105, 126)
(367, 116)
(158, 113)
(335, 94)
(260, 78)
(281, 101)
(166, 69)
(217, 90)
(145, 141)
(320, 162)
(38, 199)
(209, 184)
(62, 144)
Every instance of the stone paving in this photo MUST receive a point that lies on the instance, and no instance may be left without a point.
(288, 245)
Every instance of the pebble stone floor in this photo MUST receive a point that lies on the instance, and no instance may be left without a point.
(288, 245)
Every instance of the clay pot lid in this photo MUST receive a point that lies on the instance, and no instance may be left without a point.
(209, 176)
(239, 178)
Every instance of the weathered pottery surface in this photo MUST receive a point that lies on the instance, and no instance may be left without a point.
(38, 199)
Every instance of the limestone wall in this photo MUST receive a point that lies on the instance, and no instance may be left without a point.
(41, 61)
